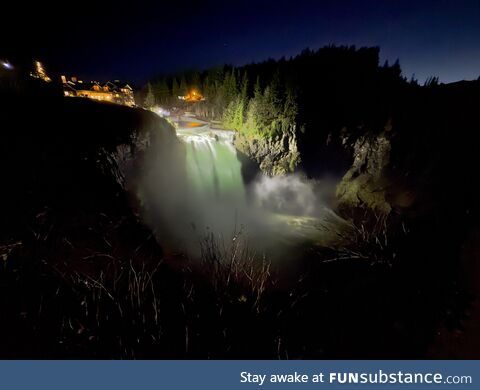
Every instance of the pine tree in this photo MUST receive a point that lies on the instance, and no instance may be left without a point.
(230, 86)
(290, 109)
(183, 86)
(161, 91)
(276, 93)
(397, 71)
(196, 81)
(241, 103)
(257, 89)
(175, 89)
(149, 101)
(244, 87)
(207, 89)
(253, 108)
(238, 117)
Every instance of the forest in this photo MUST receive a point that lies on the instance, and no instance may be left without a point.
(269, 97)
(85, 276)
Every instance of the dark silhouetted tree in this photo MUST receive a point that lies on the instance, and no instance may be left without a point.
(149, 100)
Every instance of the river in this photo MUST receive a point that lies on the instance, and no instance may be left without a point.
(273, 214)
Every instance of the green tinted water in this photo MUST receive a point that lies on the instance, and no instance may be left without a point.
(213, 169)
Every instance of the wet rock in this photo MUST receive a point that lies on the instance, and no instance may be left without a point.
(365, 183)
(125, 159)
(274, 156)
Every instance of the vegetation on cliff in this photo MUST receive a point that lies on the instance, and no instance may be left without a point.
(82, 277)
(304, 98)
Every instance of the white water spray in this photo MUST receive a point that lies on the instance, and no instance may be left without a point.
(197, 187)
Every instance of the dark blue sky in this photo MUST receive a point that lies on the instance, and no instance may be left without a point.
(135, 40)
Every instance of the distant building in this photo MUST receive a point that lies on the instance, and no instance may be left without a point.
(39, 72)
(192, 96)
(110, 91)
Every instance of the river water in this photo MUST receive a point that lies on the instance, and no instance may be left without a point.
(274, 214)
(213, 169)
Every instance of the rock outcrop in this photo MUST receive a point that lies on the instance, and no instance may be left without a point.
(274, 156)
(365, 183)
(124, 160)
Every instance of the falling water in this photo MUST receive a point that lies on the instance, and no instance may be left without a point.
(199, 189)
(213, 169)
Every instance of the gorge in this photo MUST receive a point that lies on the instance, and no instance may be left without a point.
(333, 220)
(200, 190)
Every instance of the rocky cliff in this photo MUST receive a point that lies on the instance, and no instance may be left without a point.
(274, 156)
(419, 161)
(364, 185)
(68, 153)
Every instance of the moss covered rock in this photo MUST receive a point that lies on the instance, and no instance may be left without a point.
(278, 155)
(364, 184)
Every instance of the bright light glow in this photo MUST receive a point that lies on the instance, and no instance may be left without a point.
(7, 65)
(161, 111)
(192, 96)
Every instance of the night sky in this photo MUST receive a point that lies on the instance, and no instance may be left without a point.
(136, 40)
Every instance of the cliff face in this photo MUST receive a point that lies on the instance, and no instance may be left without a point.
(364, 184)
(419, 161)
(67, 153)
(125, 161)
(414, 159)
(275, 156)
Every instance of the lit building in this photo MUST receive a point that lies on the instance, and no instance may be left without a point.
(39, 72)
(111, 91)
(192, 96)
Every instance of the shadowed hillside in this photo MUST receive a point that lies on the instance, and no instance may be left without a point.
(83, 277)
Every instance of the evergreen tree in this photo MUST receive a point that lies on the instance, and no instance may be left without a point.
(271, 108)
(196, 81)
(149, 101)
(253, 110)
(431, 81)
(413, 80)
(183, 86)
(244, 87)
(207, 89)
(275, 95)
(175, 89)
(230, 86)
(241, 103)
(290, 110)
(397, 71)
(161, 91)
(257, 89)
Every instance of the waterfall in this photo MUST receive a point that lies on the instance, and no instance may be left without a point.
(195, 187)
(214, 198)
(213, 169)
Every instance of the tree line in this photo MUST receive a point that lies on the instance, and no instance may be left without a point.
(233, 97)
(275, 96)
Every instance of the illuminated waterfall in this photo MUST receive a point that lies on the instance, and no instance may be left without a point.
(216, 195)
(213, 169)
(196, 189)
